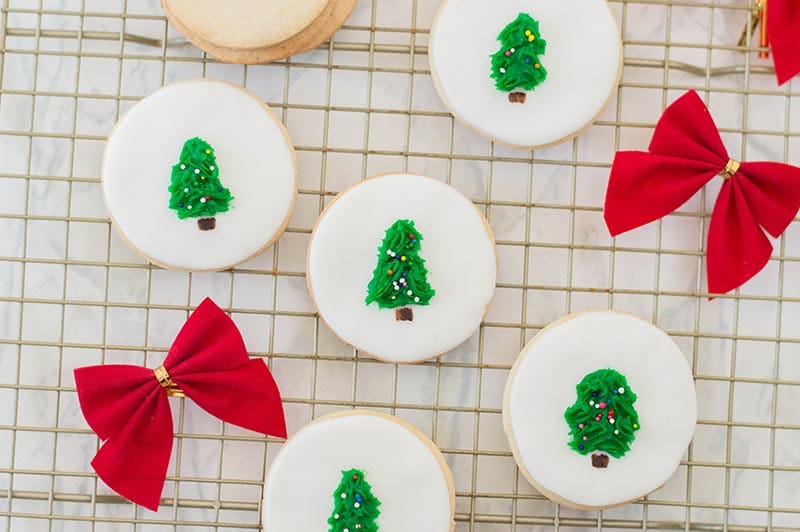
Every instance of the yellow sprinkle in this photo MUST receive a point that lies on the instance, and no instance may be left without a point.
(531, 38)
(527, 32)
(208, 151)
(403, 257)
(537, 65)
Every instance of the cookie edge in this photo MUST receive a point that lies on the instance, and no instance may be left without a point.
(281, 229)
(428, 442)
(508, 429)
(440, 90)
(486, 224)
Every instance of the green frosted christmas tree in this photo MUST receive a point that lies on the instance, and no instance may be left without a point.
(400, 278)
(603, 418)
(516, 64)
(195, 189)
(355, 508)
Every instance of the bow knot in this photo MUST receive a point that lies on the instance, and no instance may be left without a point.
(686, 152)
(166, 382)
(730, 169)
(129, 410)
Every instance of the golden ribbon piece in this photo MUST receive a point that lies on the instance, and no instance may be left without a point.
(730, 169)
(162, 375)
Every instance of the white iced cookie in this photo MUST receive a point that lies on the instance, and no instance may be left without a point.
(526, 73)
(199, 176)
(599, 409)
(402, 267)
(359, 470)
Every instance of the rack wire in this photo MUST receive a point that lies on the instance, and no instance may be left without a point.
(72, 294)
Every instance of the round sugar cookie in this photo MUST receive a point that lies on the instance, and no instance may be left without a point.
(362, 468)
(599, 409)
(237, 32)
(402, 267)
(526, 73)
(199, 176)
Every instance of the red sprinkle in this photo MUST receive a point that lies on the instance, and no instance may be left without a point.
(602, 405)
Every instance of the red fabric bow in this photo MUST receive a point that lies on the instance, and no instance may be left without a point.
(686, 153)
(127, 406)
(783, 25)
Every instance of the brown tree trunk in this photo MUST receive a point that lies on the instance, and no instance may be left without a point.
(517, 97)
(600, 461)
(207, 224)
(404, 314)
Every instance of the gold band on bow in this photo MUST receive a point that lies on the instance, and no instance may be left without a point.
(730, 169)
(172, 389)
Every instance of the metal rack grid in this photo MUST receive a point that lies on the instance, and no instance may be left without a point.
(62, 267)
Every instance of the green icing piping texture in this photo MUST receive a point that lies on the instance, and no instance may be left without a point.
(195, 189)
(400, 269)
(355, 508)
(517, 65)
(603, 417)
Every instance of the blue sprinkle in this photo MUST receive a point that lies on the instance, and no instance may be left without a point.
(615, 392)
(580, 447)
(595, 394)
(358, 497)
(527, 59)
(180, 205)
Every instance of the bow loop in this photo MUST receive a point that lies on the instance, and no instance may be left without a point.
(685, 154)
(783, 20)
(697, 139)
(127, 406)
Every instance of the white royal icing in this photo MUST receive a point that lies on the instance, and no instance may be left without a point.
(459, 254)
(407, 474)
(256, 163)
(583, 60)
(542, 387)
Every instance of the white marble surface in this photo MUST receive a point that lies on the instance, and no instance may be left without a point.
(72, 293)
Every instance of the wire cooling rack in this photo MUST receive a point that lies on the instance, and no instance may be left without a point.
(72, 294)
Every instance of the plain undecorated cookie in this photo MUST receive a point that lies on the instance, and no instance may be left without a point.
(583, 61)
(252, 158)
(243, 37)
(457, 246)
(404, 469)
(543, 384)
